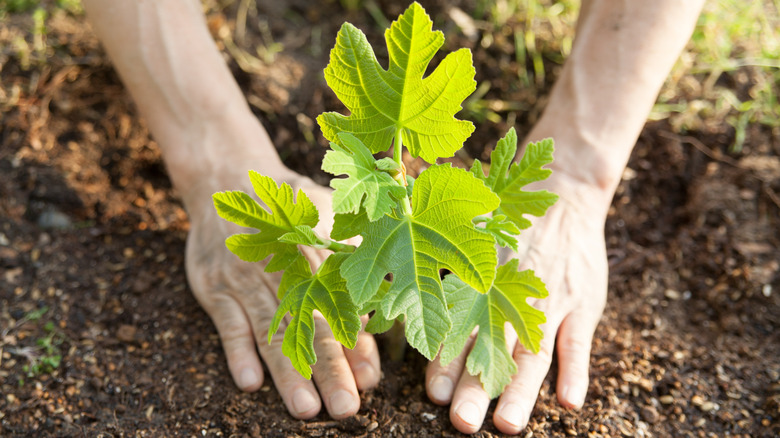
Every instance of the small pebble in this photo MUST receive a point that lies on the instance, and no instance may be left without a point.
(126, 333)
(54, 219)
(428, 416)
(650, 414)
(666, 399)
(709, 406)
(646, 384)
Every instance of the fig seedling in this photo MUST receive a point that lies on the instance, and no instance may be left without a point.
(447, 220)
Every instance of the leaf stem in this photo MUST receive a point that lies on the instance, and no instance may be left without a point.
(332, 245)
(338, 246)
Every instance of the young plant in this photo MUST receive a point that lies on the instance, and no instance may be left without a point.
(447, 220)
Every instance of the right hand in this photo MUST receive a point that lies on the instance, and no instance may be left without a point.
(566, 249)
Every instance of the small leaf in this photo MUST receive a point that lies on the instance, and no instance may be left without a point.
(326, 292)
(377, 323)
(382, 102)
(284, 216)
(504, 302)
(387, 164)
(503, 230)
(348, 225)
(515, 202)
(438, 234)
(365, 186)
(303, 235)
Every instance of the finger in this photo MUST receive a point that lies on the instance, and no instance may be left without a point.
(469, 404)
(440, 379)
(364, 361)
(574, 342)
(515, 405)
(299, 394)
(332, 373)
(238, 342)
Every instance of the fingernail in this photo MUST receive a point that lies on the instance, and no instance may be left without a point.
(574, 395)
(303, 401)
(441, 388)
(248, 378)
(513, 414)
(469, 413)
(341, 402)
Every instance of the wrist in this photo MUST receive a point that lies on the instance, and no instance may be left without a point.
(215, 154)
(585, 167)
(583, 174)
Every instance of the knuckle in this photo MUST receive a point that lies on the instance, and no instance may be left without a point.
(234, 337)
(574, 346)
(544, 355)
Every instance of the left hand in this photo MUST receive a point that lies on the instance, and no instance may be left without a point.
(241, 299)
(566, 249)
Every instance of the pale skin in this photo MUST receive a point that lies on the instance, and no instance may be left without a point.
(209, 139)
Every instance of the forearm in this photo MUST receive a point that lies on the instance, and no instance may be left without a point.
(167, 59)
(622, 54)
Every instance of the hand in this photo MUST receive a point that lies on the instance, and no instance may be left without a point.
(566, 249)
(241, 299)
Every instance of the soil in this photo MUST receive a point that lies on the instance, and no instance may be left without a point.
(92, 241)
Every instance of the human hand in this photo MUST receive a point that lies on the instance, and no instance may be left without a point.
(241, 300)
(566, 249)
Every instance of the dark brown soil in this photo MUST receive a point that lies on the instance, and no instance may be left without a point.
(91, 231)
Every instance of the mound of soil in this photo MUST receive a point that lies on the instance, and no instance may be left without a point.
(100, 335)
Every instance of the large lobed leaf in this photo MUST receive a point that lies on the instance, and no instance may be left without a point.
(382, 102)
(504, 302)
(365, 185)
(285, 216)
(326, 292)
(438, 234)
(507, 179)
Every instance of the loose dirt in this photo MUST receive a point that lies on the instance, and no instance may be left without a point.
(92, 231)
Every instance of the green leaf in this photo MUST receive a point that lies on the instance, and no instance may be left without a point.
(365, 186)
(507, 179)
(348, 225)
(503, 230)
(438, 234)
(387, 164)
(382, 102)
(377, 323)
(303, 235)
(282, 217)
(504, 302)
(325, 291)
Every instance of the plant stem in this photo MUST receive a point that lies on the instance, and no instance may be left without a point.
(398, 158)
(396, 341)
(398, 147)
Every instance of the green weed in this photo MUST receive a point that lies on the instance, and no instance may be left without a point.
(45, 356)
(729, 72)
